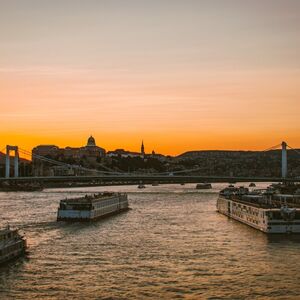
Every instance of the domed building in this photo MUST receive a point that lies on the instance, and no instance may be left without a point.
(88, 156)
(91, 151)
(91, 142)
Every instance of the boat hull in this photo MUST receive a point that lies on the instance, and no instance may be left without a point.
(89, 218)
(256, 217)
(12, 245)
(13, 255)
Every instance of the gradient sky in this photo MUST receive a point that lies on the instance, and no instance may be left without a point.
(182, 75)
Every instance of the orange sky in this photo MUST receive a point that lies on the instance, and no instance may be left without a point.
(166, 73)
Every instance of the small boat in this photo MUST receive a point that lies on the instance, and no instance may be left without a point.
(252, 184)
(203, 186)
(182, 183)
(91, 207)
(12, 244)
(141, 186)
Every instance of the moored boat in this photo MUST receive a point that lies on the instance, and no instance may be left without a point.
(12, 244)
(265, 210)
(91, 207)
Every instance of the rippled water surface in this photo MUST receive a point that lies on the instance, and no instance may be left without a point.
(172, 244)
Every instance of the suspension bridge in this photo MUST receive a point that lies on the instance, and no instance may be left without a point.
(108, 176)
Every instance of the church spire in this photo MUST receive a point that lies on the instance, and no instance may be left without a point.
(142, 148)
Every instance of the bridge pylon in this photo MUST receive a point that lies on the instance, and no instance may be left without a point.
(16, 161)
(283, 160)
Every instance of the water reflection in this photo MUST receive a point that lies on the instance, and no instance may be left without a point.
(284, 239)
(172, 244)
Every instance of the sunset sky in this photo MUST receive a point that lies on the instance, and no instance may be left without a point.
(181, 75)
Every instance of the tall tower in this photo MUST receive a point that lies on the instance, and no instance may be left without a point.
(16, 161)
(283, 160)
(143, 148)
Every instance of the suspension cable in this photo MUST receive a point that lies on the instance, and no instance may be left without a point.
(112, 172)
(3, 149)
(45, 159)
(271, 148)
(298, 152)
(199, 169)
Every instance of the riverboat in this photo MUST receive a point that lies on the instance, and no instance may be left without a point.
(266, 210)
(92, 207)
(12, 244)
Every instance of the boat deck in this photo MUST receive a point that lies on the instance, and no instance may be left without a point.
(265, 204)
(90, 199)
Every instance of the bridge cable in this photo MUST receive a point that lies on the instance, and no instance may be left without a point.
(3, 149)
(51, 160)
(42, 158)
(298, 152)
(199, 169)
(271, 148)
(45, 159)
(86, 169)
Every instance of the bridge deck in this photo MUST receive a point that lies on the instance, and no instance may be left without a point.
(148, 178)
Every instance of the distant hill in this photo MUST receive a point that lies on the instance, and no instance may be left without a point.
(239, 163)
(233, 153)
(215, 153)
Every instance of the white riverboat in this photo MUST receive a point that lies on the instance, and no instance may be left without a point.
(12, 244)
(91, 207)
(264, 210)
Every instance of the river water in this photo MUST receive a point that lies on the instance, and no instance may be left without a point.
(172, 244)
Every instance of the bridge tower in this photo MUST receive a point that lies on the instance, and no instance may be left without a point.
(283, 160)
(16, 161)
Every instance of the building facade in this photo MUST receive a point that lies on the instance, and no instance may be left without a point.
(85, 156)
(121, 153)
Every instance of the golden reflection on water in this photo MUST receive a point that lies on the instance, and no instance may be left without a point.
(172, 244)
